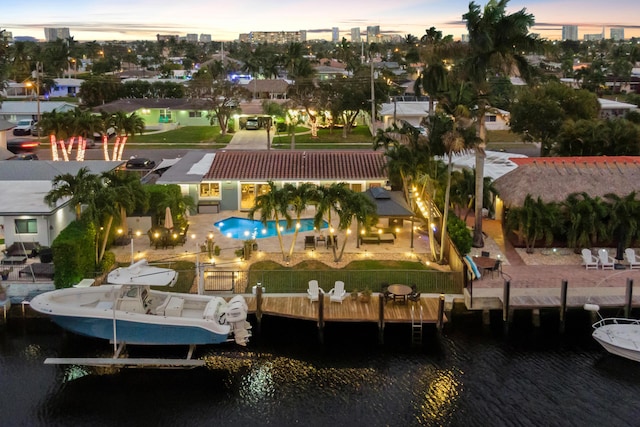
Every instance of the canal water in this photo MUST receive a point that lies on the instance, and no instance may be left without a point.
(470, 375)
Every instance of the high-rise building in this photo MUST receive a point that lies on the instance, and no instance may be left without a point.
(569, 32)
(335, 35)
(373, 32)
(277, 37)
(167, 37)
(617, 33)
(53, 34)
(205, 38)
(192, 38)
(593, 37)
(355, 35)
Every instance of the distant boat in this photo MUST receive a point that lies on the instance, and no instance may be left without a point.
(128, 311)
(619, 336)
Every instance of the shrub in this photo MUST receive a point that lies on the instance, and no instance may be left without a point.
(460, 234)
(74, 254)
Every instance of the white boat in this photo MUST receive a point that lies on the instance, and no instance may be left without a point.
(619, 336)
(128, 311)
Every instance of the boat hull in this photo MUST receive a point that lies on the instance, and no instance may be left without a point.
(138, 332)
(620, 337)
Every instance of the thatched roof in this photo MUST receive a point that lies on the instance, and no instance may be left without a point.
(554, 178)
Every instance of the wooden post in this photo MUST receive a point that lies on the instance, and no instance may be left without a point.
(563, 304)
(259, 306)
(381, 301)
(628, 298)
(505, 305)
(321, 317)
(440, 323)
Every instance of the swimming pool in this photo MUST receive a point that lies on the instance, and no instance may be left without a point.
(244, 228)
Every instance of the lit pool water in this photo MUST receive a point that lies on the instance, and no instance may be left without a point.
(244, 228)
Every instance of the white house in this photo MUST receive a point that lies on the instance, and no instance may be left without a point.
(24, 215)
(14, 111)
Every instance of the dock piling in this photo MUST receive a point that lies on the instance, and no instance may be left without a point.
(440, 323)
(563, 304)
(259, 306)
(321, 317)
(381, 302)
(505, 305)
(628, 298)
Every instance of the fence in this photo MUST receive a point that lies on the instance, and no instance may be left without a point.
(292, 281)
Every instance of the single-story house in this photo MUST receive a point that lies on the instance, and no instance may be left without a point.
(611, 109)
(231, 180)
(268, 88)
(24, 215)
(14, 111)
(411, 112)
(554, 178)
(497, 119)
(63, 87)
(160, 113)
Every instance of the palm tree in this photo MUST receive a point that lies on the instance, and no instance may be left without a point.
(454, 144)
(534, 220)
(298, 198)
(272, 205)
(354, 205)
(623, 220)
(585, 219)
(120, 194)
(328, 200)
(80, 188)
(496, 41)
(433, 80)
(127, 124)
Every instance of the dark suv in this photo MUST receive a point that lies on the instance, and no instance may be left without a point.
(140, 163)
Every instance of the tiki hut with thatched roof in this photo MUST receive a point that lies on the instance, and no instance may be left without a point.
(554, 178)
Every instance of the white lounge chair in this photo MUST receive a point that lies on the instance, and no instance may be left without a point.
(632, 258)
(606, 261)
(588, 260)
(337, 294)
(314, 291)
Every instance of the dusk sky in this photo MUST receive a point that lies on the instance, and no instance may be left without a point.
(143, 19)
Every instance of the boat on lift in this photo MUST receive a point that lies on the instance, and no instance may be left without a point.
(129, 311)
(619, 336)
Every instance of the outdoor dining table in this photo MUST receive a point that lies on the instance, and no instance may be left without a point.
(484, 263)
(400, 292)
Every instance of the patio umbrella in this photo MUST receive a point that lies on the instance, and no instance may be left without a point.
(168, 220)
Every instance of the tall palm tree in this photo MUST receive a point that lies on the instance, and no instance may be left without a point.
(272, 206)
(127, 125)
(80, 188)
(496, 43)
(454, 144)
(298, 199)
(328, 201)
(354, 205)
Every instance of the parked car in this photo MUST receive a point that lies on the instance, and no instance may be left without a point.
(18, 147)
(252, 124)
(35, 129)
(140, 163)
(23, 128)
(25, 156)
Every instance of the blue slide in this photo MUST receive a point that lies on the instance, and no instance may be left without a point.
(472, 265)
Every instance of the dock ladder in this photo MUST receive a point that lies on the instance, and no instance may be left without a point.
(416, 327)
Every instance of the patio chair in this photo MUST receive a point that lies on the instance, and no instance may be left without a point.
(497, 268)
(332, 241)
(632, 259)
(588, 260)
(337, 294)
(384, 289)
(606, 261)
(309, 242)
(314, 291)
(414, 296)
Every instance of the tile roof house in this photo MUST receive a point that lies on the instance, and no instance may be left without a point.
(230, 180)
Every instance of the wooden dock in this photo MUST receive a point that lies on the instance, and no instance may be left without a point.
(297, 306)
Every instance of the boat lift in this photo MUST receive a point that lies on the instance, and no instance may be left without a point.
(126, 362)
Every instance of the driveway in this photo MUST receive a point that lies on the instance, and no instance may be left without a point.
(249, 140)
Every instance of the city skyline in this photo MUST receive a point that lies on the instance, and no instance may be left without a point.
(92, 20)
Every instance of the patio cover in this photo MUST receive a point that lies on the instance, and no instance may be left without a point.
(389, 203)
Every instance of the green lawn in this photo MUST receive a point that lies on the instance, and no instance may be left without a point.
(359, 137)
(189, 135)
(503, 136)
